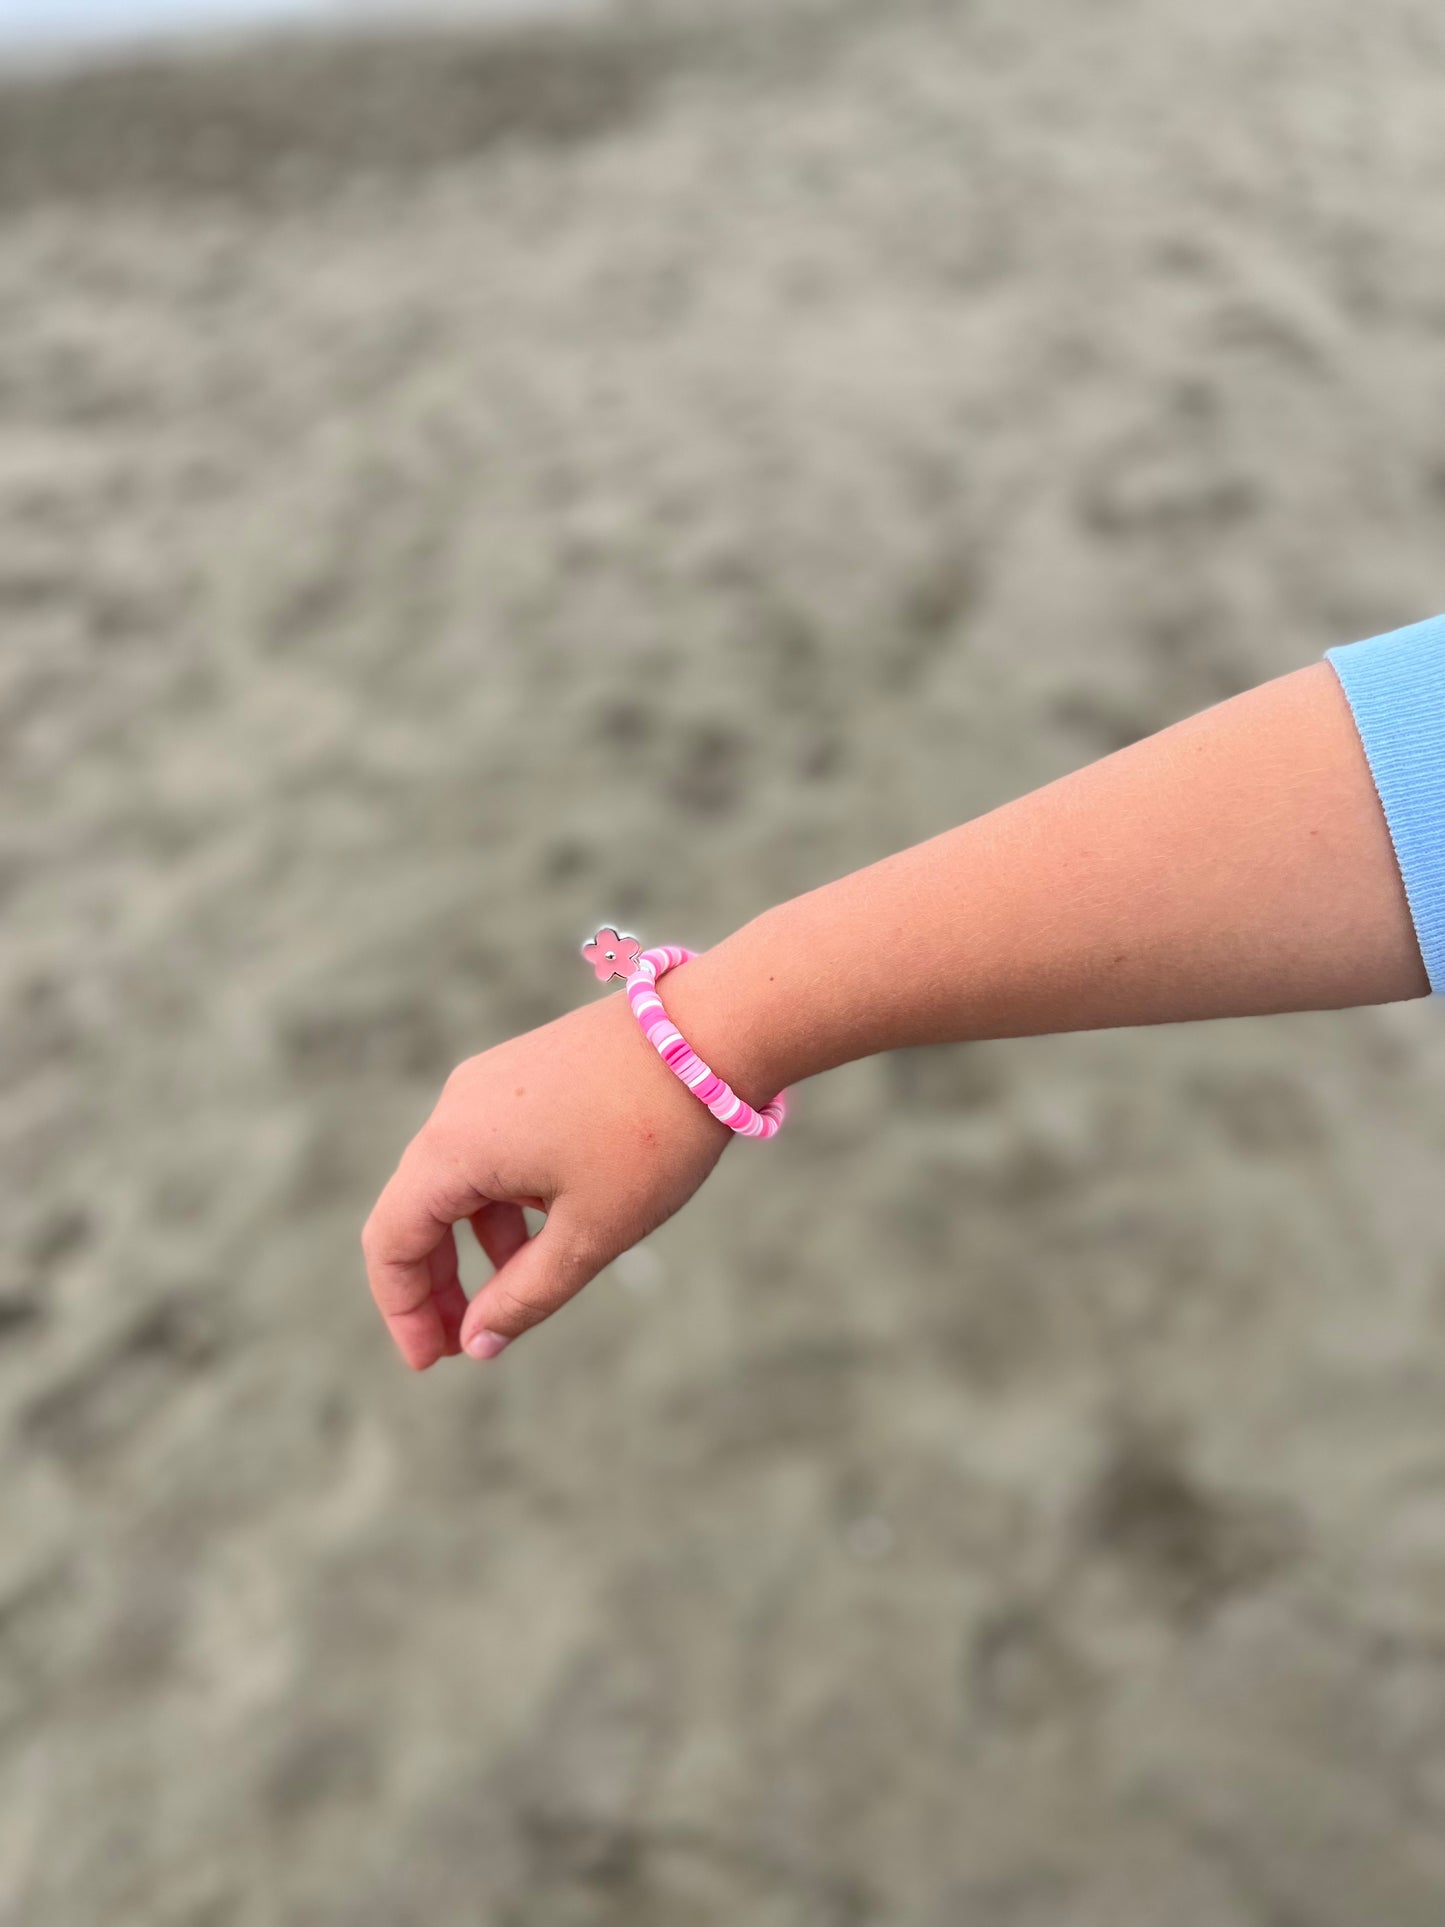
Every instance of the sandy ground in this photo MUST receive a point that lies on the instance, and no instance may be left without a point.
(1025, 1509)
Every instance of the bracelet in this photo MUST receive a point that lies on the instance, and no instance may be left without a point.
(613, 955)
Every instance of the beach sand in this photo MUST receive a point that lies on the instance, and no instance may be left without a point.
(455, 489)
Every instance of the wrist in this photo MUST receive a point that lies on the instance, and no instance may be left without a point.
(725, 1004)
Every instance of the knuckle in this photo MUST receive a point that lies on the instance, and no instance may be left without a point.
(433, 1155)
(458, 1078)
(429, 1139)
(508, 1309)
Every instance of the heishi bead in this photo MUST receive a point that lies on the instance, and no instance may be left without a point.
(668, 1041)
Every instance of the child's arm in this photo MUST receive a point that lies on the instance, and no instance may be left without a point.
(1236, 863)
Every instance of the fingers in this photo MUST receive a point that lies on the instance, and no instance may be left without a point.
(447, 1293)
(501, 1230)
(538, 1275)
(411, 1258)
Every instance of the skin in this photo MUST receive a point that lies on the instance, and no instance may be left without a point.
(1235, 864)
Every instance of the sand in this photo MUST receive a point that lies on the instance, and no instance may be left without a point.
(1017, 1495)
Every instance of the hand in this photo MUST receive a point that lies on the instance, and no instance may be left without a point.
(580, 1119)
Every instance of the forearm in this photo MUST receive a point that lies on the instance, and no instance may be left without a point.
(1234, 864)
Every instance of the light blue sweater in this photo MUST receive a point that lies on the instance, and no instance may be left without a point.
(1395, 684)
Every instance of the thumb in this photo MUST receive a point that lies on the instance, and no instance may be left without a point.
(543, 1273)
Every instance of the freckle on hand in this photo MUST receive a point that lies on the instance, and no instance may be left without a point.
(521, 1091)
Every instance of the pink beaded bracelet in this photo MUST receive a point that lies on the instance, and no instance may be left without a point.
(613, 955)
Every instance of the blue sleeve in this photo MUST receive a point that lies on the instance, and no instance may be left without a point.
(1395, 685)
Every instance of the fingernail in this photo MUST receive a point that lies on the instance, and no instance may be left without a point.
(486, 1344)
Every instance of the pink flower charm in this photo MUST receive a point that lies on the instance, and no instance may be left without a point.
(611, 954)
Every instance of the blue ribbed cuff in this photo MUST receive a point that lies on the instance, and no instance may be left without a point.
(1395, 685)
